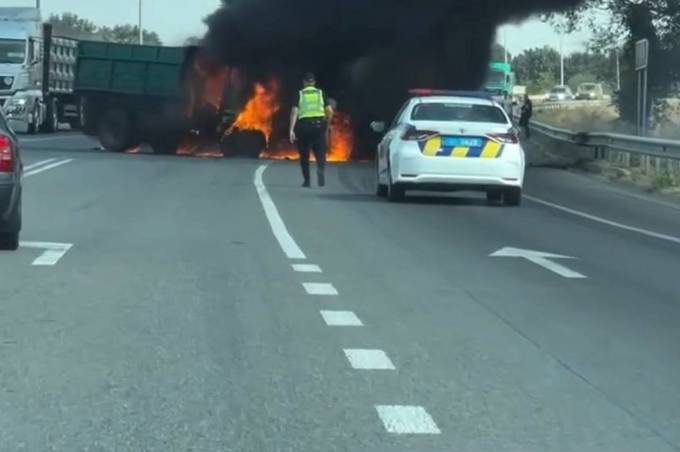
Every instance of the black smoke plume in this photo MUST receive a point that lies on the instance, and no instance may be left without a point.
(366, 53)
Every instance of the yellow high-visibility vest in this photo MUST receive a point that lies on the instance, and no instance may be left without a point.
(311, 104)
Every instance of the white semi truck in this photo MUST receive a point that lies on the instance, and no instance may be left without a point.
(37, 72)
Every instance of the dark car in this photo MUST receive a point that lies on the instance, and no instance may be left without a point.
(11, 170)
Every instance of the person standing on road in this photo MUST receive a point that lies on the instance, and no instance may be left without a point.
(309, 124)
(525, 115)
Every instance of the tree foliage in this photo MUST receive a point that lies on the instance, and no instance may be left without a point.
(70, 24)
(629, 21)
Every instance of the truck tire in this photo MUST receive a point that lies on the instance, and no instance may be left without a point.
(33, 126)
(165, 146)
(51, 124)
(78, 122)
(115, 131)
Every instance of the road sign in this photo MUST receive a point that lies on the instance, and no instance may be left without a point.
(641, 54)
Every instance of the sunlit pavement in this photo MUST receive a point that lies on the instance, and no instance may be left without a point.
(210, 304)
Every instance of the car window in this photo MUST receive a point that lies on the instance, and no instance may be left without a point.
(559, 90)
(440, 111)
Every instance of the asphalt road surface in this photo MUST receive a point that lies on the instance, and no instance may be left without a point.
(163, 304)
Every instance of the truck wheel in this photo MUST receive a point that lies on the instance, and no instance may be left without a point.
(165, 146)
(33, 125)
(52, 118)
(78, 122)
(115, 131)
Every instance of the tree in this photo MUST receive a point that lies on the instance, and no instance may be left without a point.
(582, 67)
(537, 68)
(631, 20)
(129, 34)
(69, 24)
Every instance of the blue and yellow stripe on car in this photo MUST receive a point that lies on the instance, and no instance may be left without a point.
(432, 147)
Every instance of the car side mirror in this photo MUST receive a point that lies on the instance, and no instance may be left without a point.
(378, 126)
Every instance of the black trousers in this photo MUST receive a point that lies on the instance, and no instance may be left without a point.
(311, 136)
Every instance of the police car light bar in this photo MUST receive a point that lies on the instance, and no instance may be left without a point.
(424, 92)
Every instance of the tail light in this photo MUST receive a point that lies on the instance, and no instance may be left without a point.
(6, 155)
(510, 137)
(413, 134)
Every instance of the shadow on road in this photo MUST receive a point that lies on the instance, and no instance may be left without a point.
(420, 199)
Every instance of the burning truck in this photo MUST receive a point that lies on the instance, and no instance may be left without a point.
(180, 100)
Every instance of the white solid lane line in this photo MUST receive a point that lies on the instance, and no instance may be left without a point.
(341, 318)
(320, 289)
(615, 224)
(47, 167)
(407, 420)
(307, 268)
(37, 164)
(290, 248)
(361, 359)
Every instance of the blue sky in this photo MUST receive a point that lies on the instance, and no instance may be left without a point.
(176, 20)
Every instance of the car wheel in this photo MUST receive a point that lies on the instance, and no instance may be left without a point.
(9, 241)
(395, 192)
(380, 189)
(512, 196)
(494, 195)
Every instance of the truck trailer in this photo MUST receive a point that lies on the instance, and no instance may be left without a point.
(37, 73)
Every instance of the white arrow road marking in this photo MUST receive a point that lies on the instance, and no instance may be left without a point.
(540, 258)
(47, 167)
(53, 252)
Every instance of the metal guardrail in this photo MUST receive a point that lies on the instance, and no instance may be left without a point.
(655, 147)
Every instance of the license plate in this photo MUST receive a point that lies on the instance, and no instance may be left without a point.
(452, 142)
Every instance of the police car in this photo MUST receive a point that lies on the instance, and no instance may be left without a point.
(447, 141)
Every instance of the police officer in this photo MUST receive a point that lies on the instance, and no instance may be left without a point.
(309, 126)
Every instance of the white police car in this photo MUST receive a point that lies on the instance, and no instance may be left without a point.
(447, 141)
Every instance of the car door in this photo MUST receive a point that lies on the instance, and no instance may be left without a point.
(386, 142)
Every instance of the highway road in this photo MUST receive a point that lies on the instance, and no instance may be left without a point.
(184, 304)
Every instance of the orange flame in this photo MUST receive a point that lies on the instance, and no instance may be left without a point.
(258, 114)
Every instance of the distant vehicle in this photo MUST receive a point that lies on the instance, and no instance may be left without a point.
(560, 93)
(590, 91)
(36, 73)
(448, 141)
(500, 80)
(11, 169)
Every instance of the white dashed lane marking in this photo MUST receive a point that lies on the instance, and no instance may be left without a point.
(361, 359)
(407, 420)
(320, 289)
(341, 318)
(307, 268)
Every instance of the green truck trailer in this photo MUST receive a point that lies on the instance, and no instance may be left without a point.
(135, 95)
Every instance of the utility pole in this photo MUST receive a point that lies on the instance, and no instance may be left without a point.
(561, 58)
(618, 71)
(505, 45)
(141, 32)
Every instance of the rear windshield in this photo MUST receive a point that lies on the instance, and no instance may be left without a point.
(588, 87)
(458, 112)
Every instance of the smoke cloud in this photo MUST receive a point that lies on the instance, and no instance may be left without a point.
(366, 53)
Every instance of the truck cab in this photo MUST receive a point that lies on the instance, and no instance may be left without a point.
(36, 73)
